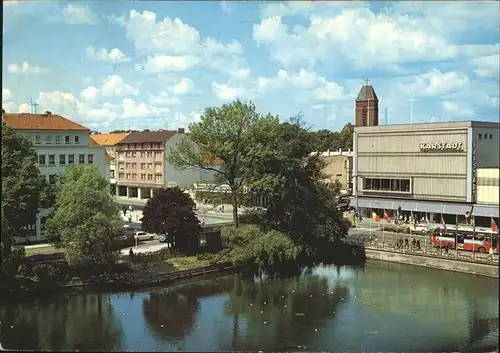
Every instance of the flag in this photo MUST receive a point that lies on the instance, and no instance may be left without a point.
(375, 217)
(387, 217)
(443, 222)
(494, 227)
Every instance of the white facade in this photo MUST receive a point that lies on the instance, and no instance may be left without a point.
(57, 150)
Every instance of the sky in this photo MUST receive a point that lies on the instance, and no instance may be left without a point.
(136, 65)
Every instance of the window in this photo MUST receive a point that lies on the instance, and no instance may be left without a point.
(52, 178)
(158, 168)
(121, 175)
(66, 139)
(387, 185)
(52, 159)
(81, 159)
(364, 117)
(77, 139)
(134, 176)
(491, 136)
(38, 139)
(157, 179)
(150, 154)
(158, 155)
(90, 159)
(133, 154)
(121, 156)
(150, 176)
(134, 165)
(127, 154)
(58, 139)
(121, 165)
(143, 154)
(41, 159)
(143, 176)
(203, 240)
(128, 176)
(143, 165)
(127, 165)
(48, 139)
(112, 174)
(62, 159)
(150, 165)
(480, 136)
(71, 159)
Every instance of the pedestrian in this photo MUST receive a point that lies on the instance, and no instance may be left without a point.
(222, 208)
(131, 253)
(418, 244)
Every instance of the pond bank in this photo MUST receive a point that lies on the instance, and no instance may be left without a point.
(434, 262)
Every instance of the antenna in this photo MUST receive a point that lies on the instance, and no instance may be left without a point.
(33, 106)
(385, 116)
(411, 109)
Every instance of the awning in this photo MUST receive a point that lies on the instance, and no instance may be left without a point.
(414, 206)
(485, 211)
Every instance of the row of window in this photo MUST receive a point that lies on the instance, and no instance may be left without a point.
(387, 185)
(50, 159)
(133, 154)
(133, 176)
(133, 165)
(485, 136)
(133, 146)
(58, 139)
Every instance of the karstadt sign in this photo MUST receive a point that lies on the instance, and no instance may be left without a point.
(441, 146)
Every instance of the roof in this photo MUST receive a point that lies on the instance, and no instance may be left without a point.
(367, 93)
(428, 126)
(148, 136)
(23, 121)
(109, 139)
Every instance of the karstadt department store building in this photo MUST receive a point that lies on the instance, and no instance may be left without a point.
(449, 168)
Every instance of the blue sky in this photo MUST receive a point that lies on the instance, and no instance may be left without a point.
(120, 65)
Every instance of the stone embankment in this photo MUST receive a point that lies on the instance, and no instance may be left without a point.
(442, 263)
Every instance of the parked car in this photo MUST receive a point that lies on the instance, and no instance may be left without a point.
(141, 235)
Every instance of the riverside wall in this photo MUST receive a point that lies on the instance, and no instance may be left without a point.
(489, 270)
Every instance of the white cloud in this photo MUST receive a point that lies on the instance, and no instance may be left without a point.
(116, 86)
(162, 63)
(164, 99)
(458, 110)
(25, 68)
(7, 95)
(102, 54)
(308, 85)
(57, 102)
(89, 93)
(75, 15)
(185, 86)
(435, 83)
(487, 66)
(133, 109)
(227, 93)
(8, 100)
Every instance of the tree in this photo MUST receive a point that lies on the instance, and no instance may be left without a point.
(85, 219)
(171, 212)
(325, 140)
(301, 205)
(21, 187)
(235, 133)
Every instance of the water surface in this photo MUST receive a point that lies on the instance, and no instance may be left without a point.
(378, 307)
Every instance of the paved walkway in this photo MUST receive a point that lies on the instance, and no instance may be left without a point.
(144, 248)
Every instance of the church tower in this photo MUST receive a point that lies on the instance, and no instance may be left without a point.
(367, 106)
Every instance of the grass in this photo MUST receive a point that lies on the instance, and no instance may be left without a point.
(186, 263)
(46, 250)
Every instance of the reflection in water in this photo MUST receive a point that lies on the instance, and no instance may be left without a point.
(378, 307)
(70, 323)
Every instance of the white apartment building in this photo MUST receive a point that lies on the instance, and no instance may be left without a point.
(59, 142)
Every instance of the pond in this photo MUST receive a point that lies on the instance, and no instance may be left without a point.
(376, 307)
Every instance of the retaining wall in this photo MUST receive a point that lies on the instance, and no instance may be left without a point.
(434, 262)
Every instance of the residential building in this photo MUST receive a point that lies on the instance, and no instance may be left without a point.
(108, 142)
(142, 166)
(59, 143)
(449, 168)
(339, 168)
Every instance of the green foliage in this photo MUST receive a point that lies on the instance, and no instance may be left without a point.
(250, 244)
(332, 140)
(21, 186)
(85, 219)
(171, 212)
(235, 133)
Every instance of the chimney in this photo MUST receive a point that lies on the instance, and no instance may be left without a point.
(180, 130)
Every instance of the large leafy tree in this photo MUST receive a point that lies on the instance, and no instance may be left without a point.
(21, 188)
(171, 212)
(234, 133)
(85, 219)
(301, 205)
(332, 140)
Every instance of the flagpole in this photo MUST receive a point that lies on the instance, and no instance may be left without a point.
(456, 236)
